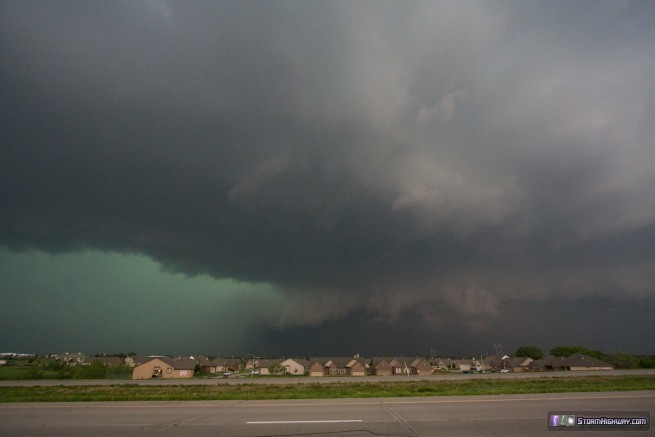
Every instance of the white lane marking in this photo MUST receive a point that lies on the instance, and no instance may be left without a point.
(303, 421)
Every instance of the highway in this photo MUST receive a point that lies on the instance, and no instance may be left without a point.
(504, 415)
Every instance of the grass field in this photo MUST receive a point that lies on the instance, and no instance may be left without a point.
(130, 392)
(35, 371)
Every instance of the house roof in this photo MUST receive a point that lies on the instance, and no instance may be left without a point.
(376, 361)
(580, 360)
(341, 362)
(549, 361)
(183, 364)
(221, 361)
(418, 361)
(406, 360)
(519, 361)
(204, 361)
(79, 356)
(301, 361)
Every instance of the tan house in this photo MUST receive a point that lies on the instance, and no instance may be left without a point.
(338, 366)
(289, 366)
(295, 366)
(164, 368)
(222, 364)
(316, 368)
(268, 367)
(218, 365)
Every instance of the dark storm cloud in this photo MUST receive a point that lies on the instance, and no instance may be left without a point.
(396, 158)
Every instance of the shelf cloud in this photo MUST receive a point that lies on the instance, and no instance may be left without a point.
(412, 164)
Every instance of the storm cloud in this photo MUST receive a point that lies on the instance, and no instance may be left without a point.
(411, 164)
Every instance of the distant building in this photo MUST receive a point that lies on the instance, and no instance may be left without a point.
(575, 362)
(165, 368)
(295, 366)
(337, 366)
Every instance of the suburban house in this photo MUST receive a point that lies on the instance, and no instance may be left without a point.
(585, 362)
(465, 365)
(73, 359)
(548, 363)
(507, 364)
(518, 364)
(289, 366)
(222, 365)
(444, 364)
(574, 362)
(163, 367)
(400, 366)
(380, 366)
(316, 368)
(268, 367)
(295, 366)
(420, 366)
(337, 366)
(205, 365)
(217, 365)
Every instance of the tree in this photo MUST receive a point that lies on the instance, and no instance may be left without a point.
(623, 361)
(566, 351)
(529, 351)
(647, 362)
(276, 369)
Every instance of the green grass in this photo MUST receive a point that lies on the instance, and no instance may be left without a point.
(34, 372)
(13, 372)
(132, 392)
(26, 372)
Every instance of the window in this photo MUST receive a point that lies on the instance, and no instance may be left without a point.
(169, 370)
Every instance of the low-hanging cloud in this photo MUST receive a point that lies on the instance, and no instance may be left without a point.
(361, 157)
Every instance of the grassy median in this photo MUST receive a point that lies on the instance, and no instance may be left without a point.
(131, 392)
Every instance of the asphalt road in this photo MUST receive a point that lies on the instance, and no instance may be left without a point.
(307, 380)
(506, 415)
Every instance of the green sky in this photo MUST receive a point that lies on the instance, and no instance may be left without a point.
(108, 302)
